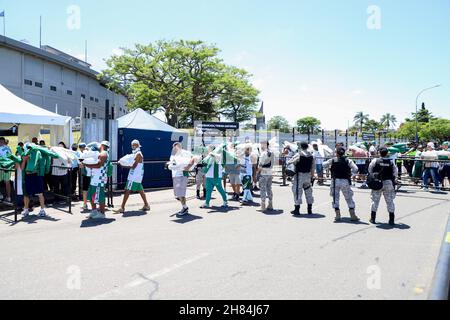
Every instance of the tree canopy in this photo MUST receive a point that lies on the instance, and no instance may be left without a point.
(185, 79)
(279, 123)
(309, 125)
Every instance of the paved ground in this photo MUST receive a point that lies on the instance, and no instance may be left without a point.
(240, 254)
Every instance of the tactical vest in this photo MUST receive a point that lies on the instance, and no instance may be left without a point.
(385, 168)
(304, 164)
(340, 169)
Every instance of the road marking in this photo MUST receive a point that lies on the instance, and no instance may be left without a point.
(148, 278)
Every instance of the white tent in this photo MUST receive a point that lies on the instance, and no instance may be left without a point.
(31, 119)
(142, 120)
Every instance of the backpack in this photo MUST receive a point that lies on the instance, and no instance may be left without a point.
(291, 170)
(374, 181)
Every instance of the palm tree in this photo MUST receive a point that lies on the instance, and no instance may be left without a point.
(388, 120)
(359, 119)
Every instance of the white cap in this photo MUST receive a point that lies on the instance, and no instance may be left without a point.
(106, 144)
(430, 145)
(136, 142)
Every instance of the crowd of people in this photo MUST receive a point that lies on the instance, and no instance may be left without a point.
(247, 167)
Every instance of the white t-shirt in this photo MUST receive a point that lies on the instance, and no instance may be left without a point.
(246, 166)
(318, 157)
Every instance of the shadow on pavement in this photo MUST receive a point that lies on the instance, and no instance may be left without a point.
(132, 214)
(349, 221)
(309, 216)
(222, 210)
(186, 219)
(385, 226)
(273, 212)
(250, 204)
(34, 219)
(89, 223)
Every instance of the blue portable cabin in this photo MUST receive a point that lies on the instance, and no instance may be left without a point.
(156, 138)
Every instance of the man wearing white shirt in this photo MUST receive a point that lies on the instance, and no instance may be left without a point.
(319, 159)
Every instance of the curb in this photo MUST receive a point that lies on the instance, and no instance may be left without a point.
(441, 282)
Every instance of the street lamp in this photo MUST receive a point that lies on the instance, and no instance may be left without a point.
(417, 101)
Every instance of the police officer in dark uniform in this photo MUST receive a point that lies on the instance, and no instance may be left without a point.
(305, 168)
(342, 169)
(387, 171)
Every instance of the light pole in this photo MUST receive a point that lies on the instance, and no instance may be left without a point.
(417, 101)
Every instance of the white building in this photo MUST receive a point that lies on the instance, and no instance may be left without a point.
(56, 81)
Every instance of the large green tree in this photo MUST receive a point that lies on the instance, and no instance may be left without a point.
(239, 100)
(184, 79)
(308, 124)
(436, 129)
(372, 125)
(423, 115)
(279, 123)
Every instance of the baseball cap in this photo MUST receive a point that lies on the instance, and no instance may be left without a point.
(340, 151)
(136, 142)
(106, 144)
(82, 145)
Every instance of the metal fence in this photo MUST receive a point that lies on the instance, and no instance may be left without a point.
(329, 138)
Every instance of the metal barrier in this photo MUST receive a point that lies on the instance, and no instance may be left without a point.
(441, 282)
(15, 196)
(13, 203)
(415, 181)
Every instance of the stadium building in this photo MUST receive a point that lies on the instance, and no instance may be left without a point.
(56, 81)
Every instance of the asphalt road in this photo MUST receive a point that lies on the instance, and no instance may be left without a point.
(239, 254)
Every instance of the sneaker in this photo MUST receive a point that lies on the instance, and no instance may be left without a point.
(42, 213)
(97, 215)
(84, 209)
(93, 213)
(25, 213)
(205, 206)
(183, 212)
(225, 206)
(145, 208)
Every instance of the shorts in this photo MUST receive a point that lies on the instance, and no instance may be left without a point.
(34, 185)
(134, 186)
(5, 176)
(235, 179)
(180, 186)
(97, 194)
(362, 168)
(86, 183)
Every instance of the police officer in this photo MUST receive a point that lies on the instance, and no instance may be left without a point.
(305, 169)
(342, 169)
(387, 171)
(265, 170)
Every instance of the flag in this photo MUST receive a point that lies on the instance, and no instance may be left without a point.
(2, 14)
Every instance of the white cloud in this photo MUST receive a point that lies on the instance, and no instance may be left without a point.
(117, 52)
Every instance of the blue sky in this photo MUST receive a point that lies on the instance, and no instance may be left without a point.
(308, 57)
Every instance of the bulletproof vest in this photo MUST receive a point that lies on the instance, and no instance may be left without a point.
(385, 167)
(304, 164)
(340, 168)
